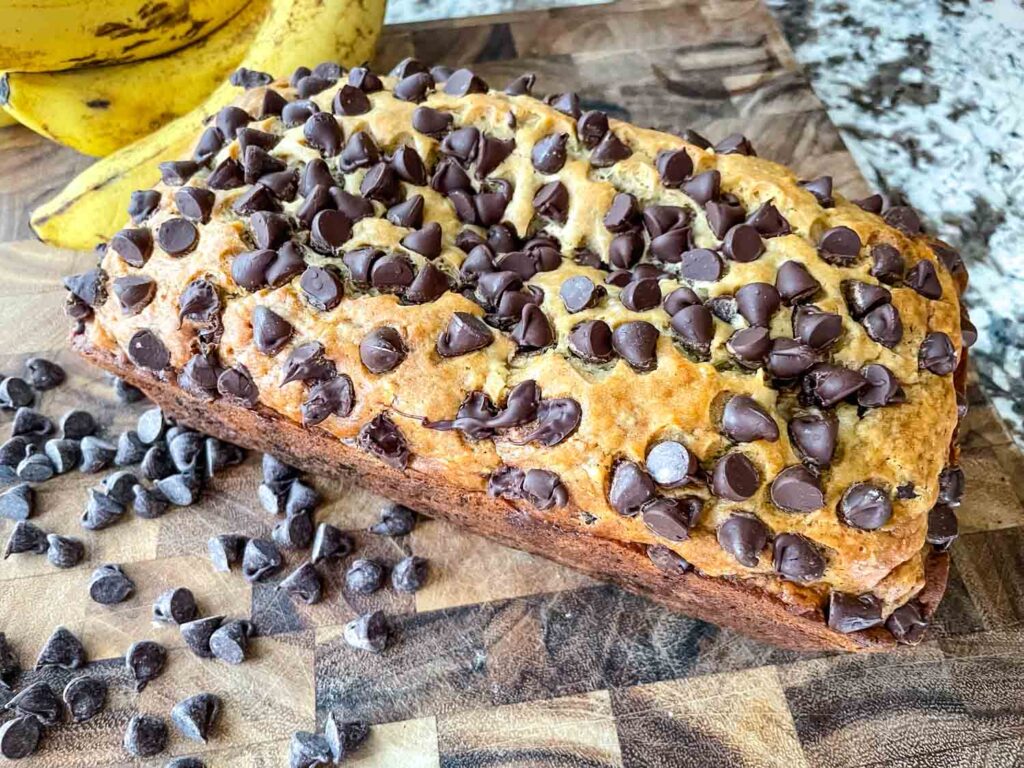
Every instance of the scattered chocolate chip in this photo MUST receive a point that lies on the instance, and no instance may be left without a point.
(735, 477)
(937, 354)
(382, 438)
(16, 502)
(145, 661)
(796, 489)
(592, 341)
(364, 576)
(322, 287)
(96, 454)
(145, 736)
(695, 327)
(230, 641)
(414, 88)
(552, 201)
(332, 397)
(63, 650)
(196, 634)
(853, 613)
(745, 420)
(109, 585)
(260, 560)
(295, 531)
(237, 385)
(323, 133)
(409, 574)
(882, 387)
(142, 203)
(671, 518)
(150, 503)
(175, 606)
(951, 486)
(225, 550)
(85, 696)
(19, 737)
(101, 511)
(330, 543)
(196, 716)
(828, 384)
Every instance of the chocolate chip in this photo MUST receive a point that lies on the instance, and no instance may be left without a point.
(672, 464)
(146, 350)
(702, 265)
(636, 342)
(742, 243)
(225, 551)
(492, 152)
(350, 101)
(631, 487)
(360, 152)
(592, 341)
(236, 384)
(591, 127)
(391, 273)
(882, 388)
(329, 231)
(261, 559)
(429, 285)
(134, 293)
(366, 633)
(735, 477)
(199, 302)
(821, 188)
(109, 585)
(294, 531)
(641, 295)
(735, 144)
(90, 287)
(704, 187)
(951, 486)
(84, 696)
(816, 328)
(196, 634)
(887, 264)
(322, 287)
(768, 221)
(199, 376)
(871, 203)
(679, 299)
(883, 324)
(409, 574)
(177, 236)
(864, 506)
(521, 85)
(353, 206)
(552, 201)
(671, 518)
(461, 143)
(19, 737)
(380, 183)
(723, 215)
(745, 420)
(25, 537)
(364, 576)
(695, 328)
(465, 333)
(230, 641)
(332, 397)
(174, 173)
(270, 331)
(431, 121)
(622, 213)
(797, 558)
(674, 166)
(744, 537)
(323, 133)
(579, 293)
(567, 103)
(365, 80)
(533, 331)
(307, 363)
(904, 218)
(609, 151)
(175, 606)
(937, 354)
(789, 358)
(853, 613)
(796, 489)
(414, 88)
(16, 502)
(145, 661)
(409, 166)
(425, 241)
(150, 503)
(37, 700)
(839, 246)
(181, 490)
(750, 346)
(249, 78)
(549, 153)
(134, 246)
(382, 438)
(757, 302)
(142, 203)
(315, 174)
(907, 624)
(249, 269)
(462, 82)
(329, 543)
(196, 716)
(923, 278)
(382, 350)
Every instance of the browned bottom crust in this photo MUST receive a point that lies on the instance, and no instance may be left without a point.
(732, 603)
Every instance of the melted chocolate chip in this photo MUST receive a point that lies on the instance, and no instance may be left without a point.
(465, 333)
(853, 613)
(552, 201)
(883, 324)
(199, 302)
(671, 518)
(592, 341)
(886, 264)
(636, 342)
(923, 278)
(796, 489)
(745, 420)
(383, 439)
(322, 287)
(382, 350)
(943, 528)
(236, 384)
(816, 328)
(146, 350)
(735, 477)
(134, 292)
(815, 436)
(797, 558)
(937, 354)
(631, 487)
(548, 155)
(750, 346)
(307, 362)
(333, 397)
(864, 506)
(744, 537)
(270, 331)
(829, 385)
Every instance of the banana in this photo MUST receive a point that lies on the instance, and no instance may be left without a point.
(97, 110)
(294, 32)
(6, 119)
(53, 35)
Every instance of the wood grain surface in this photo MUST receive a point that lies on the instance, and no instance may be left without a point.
(504, 659)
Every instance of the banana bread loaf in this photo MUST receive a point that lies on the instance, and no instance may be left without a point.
(669, 363)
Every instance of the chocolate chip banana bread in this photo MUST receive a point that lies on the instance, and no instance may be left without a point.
(669, 363)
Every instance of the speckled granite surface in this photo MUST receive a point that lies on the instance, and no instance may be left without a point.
(405, 11)
(928, 96)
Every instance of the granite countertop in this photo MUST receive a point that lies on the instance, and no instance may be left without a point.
(927, 97)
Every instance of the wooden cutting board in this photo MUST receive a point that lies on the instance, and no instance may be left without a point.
(503, 659)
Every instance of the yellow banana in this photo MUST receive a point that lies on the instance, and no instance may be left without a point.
(6, 119)
(97, 110)
(294, 32)
(52, 35)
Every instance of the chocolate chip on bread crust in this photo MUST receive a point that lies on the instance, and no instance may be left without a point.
(682, 344)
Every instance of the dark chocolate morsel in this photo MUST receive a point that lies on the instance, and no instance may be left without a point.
(146, 350)
(853, 613)
(631, 487)
(829, 385)
(864, 506)
(333, 397)
(839, 246)
(177, 236)
(886, 263)
(465, 333)
(592, 341)
(757, 302)
(672, 464)
(937, 354)
(815, 436)
(695, 327)
(636, 342)
(794, 283)
(796, 558)
(671, 518)
(382, 438)
(134, 292)
(797, 489)
(745, 420)
(322, 287)
(735, 477)
(382, 350)
(236, 384)
(744, 537)
(907, 624)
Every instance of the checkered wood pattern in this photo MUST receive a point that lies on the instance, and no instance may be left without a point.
(504, 659)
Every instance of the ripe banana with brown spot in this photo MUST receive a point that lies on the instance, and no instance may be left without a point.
(53, 35)
(294, 32)
(98, 110)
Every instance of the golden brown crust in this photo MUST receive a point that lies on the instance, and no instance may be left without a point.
(624, 412)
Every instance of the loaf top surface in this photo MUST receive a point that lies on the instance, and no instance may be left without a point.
(663, 342)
